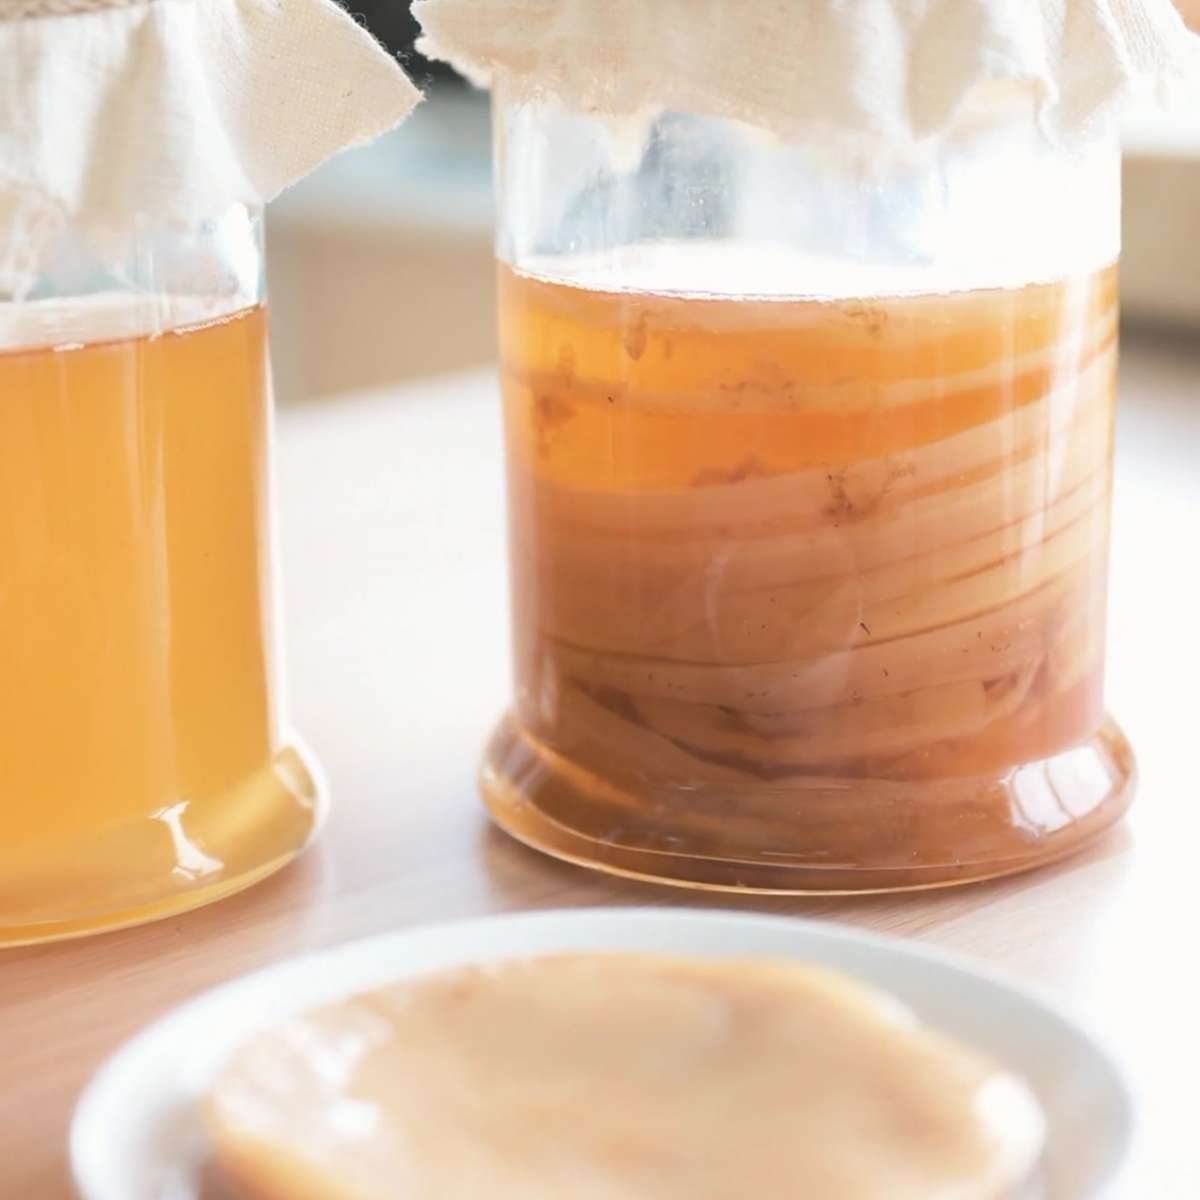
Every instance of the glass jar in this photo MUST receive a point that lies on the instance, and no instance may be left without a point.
(809, 469)
(145, 766)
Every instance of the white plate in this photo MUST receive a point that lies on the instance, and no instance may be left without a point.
(135, 1135)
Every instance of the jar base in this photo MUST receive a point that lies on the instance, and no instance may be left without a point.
(814, 835)
(169, 862)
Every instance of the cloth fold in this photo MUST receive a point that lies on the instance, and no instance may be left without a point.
(164, 112)
(888, 71)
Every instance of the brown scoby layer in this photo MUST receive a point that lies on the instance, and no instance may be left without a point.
(785, 541)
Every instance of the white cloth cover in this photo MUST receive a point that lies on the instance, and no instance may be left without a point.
(167, 111)
(888, 71)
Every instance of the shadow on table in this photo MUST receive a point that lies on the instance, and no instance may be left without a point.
(263, 916)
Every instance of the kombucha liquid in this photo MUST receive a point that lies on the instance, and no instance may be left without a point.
(140, 764)
(808, 582)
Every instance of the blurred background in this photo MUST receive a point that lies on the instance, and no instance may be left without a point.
(381, 267)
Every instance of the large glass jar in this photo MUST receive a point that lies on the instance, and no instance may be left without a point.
(809, 462)
(145, 765)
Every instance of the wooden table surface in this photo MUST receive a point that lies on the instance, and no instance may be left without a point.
(392, 548)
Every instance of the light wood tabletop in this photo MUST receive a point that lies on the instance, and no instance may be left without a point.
(396, 636)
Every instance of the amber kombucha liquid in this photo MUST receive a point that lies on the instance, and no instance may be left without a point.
(808, 582)
(140, 764)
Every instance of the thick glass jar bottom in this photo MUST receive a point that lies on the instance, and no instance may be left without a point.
(178, 858)
(816, 835)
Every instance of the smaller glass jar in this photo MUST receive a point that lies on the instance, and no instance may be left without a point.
(145, 761)
(809, 477)
(146, 765)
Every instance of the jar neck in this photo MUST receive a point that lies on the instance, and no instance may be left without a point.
(685, 203)
(142, 281)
